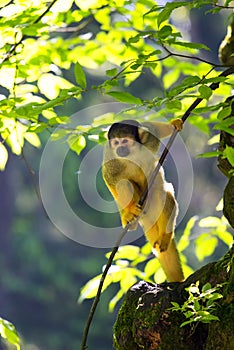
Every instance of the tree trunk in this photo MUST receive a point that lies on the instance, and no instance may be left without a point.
(145, 320)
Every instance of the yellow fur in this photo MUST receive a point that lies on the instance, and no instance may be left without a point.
(128, 176)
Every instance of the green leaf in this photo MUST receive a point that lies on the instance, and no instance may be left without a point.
(201, 123)
(33, 139)
(184, 240)
(77, 143)
(209, 154)
(170, 78)
(3, 156)
(59, 134)
(222, 126)
(146, 249)
(175, 305)
(208, 318)
(197, 305)
(16, 138)
(125, 97)
(163, 16)
(164, 32)
(225, 112)
(186, 322)
(151, 266)
(229, 154)
(226, 237)
(187, 83)
(206, 287)
(129, 279)
(205, 246)
(50, 85)
(8, 331)
(64, 95)
(213, 140)
(130, 252)
(104, 119)
(225, 124)
(174, 105)
(135, 39)
(111, 72)
(58, 120)
(210, 221)
(115, 300)
(80, 75)
(90, 289)
(186, 268)
(37, 128)
(212, 297)
(205, 91)
(191, 45)
(136, 66)
(167, 10)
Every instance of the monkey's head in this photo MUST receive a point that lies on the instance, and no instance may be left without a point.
(123, 136)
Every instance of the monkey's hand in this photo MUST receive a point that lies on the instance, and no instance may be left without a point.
(177, 123)
(130, 213)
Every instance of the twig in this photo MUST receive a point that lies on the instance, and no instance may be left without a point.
(213, 86)
(102, 279)
(196, 58)
(45, 12)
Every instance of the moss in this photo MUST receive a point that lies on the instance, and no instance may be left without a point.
(123, 328)
(145, 320)
(147, 323)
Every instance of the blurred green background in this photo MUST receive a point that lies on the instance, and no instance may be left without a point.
(42, 271)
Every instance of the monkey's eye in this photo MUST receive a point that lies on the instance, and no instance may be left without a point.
(125, 141)
(114, 142)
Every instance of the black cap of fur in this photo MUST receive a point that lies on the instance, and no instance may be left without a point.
(125, 128)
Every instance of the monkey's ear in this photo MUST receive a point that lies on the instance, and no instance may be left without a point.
(143, 133)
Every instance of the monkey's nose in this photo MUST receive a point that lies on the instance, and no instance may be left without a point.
(123, 151)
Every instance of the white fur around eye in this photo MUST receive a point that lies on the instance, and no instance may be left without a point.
(114, 142)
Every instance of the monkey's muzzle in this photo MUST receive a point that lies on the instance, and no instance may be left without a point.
(123, 151)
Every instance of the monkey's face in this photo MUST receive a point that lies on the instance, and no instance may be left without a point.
(124, 138)
(122, 146)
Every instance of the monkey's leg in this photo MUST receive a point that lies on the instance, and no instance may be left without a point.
(128, 197)
(160, 235)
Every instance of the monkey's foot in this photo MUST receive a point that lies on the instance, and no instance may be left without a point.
(177, 123)
(130, 213)
(135, 209)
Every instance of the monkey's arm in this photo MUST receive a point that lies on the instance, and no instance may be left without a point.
(127, 195)
(163, 130)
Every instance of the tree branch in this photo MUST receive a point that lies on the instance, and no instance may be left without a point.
(170, 53)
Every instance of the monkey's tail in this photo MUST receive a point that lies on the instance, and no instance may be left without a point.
(170, 262)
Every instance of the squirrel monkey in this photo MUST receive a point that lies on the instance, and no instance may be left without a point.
(130, 156)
